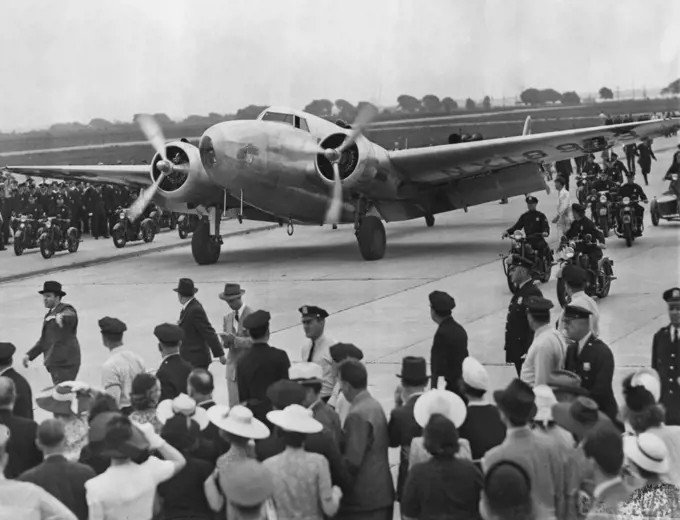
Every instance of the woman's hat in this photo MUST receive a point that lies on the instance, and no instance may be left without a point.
(443, 402)
(52, 287)
(248, 483)
(649, 379)
(238, 421)
(295, 418)
(117, 436)
(67, 398)
(232, 291)
(647, 451)
(545, 400)
(579, 417)
(185, 405)
(185, 287)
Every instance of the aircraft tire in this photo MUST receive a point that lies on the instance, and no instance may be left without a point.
(204, 249)
(371, 238)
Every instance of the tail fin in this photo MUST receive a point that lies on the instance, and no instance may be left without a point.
(527, 126)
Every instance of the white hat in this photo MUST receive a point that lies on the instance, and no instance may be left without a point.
(439, 401)
(474, 374)
(239, 421)
(649, 379)
(647, 451)
(545, 400)
(295, 418)
(186, 406)
(305, 372)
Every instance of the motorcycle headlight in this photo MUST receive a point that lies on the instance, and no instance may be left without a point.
(518, 235)
(23, 225)
(569, 252)
(674, 176)
(48, 224)
(603, 199)
(626, 200)
(122, 215)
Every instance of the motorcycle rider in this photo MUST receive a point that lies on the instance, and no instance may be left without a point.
(591, 167)
(616, 168)
(634, 191)
(535, 225)
(582, 226)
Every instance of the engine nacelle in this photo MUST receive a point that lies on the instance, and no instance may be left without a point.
(358, 164)
(182, 187)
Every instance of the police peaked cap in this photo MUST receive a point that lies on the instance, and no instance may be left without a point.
(168, 333)
(341, 351)
(112, 326)
(7, 350)
(574, 274)
(573, 312)
(538, 305)
(531, 200)
(311, 311)
(672, 295)
(257, 320)
(441, 301)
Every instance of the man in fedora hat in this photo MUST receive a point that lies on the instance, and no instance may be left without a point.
(540, 456)
(666, 357)
(58, 341)
(402, 427)
(199, 335)
(450, 343)
(235, 336)
(23, 407)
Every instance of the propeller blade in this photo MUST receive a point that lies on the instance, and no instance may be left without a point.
(367, 114)
(153, 132)
(144, 198)
(335, 208)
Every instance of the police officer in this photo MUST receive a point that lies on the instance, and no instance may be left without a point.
(631, 151)
(591, 167)
(634, 191)
(666, 357)
(518, 333)
(535, 224)
(604, 182)
(450, 344)
(616, 168)
(582, 226)
(173, 372)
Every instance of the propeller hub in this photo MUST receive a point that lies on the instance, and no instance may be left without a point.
(164, 166)
(332, 155)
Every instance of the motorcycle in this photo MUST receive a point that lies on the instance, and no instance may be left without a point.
(26, 232)
(163, 219)
(600, 205)
(54, 239)
(583, 183)
(627, 220)
(521, 247)
(187, 224)
(599, 283)
(126, 230)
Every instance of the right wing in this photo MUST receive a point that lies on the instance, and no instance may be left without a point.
(133, 175)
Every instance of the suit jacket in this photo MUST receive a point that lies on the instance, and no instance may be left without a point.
(449, 349)
(199, 336)
(23, 407)
(330, 420)
(21, 448)
(59, 345)
(241, 342)
(366, 457)
(595, 366)
(518, 333)
(666, 361)
(402, 429)
(173, 374)
(63, 479)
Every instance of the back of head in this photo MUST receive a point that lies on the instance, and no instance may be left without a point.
(440, 436)
(8, 393)
(140, 394)
(202, 381)
(507, 492)
(51, 433)
(604, 444)
(354, 373)
(102, 403)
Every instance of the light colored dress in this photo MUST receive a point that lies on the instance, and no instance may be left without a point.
(76, 434)
(563, 212)
(147, 416)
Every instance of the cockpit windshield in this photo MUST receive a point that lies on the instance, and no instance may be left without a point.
(289, 119)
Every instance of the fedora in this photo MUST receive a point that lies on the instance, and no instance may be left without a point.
(52, 287)
(248, 483)
(67, 398)
(566, 381)
(184, 405)
(295, 418)
(185, 287)
(439, 401)
(517, 400)
(231, 292)
(413, 371)
(238, 421)
(579, 416)
(647, 451)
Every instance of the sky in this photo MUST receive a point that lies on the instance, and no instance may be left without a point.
(74, 60)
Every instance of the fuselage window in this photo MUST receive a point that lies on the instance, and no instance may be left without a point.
(289, 119)
(301, 124)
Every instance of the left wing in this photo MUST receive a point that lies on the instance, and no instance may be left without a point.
(137, 176)
(438, 164)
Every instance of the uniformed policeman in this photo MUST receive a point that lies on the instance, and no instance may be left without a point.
(591, 359)
(616, 168)
(317, 348)
(634, 191)
(666, 357)
(450, 344)
(582, 226)
(174, 372)
(535, 224)
(518, 333)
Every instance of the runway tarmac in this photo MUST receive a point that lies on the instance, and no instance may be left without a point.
(380, 306)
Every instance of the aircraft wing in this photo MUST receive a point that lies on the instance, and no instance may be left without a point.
(137, 176)
(439, 164)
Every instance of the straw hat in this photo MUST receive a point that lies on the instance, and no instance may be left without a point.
(67, 398)
(185, 405)
(295, 418)
(238, 421)
(439, 401)
(648, 452)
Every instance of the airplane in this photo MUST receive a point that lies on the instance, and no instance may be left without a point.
(289, 166)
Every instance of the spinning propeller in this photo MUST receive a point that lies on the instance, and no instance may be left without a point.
(154, 134)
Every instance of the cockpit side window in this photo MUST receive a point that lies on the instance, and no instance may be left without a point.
(301, 124)
(289, 119)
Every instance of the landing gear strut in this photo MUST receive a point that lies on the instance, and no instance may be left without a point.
(370, 233)
(206, 242)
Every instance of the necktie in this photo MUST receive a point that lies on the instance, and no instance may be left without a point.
(311, 352)
(236, 315)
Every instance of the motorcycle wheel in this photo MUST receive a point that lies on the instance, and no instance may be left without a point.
(119, 238)
(655, 218)
(18, 246)
(73, 243)
(604, 225)
(46, 249)
(182, 230)
(547, 271)
(562, 292)
(628, 234)
(148, 233)
(605, 280)
(173, 222)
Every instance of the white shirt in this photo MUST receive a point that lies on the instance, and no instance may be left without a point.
(583, 341)
(545, 355)
(127, 491)
(340, 403)
(322, 357)
(119, 370)
(184, 307)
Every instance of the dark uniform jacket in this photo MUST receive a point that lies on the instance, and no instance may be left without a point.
(199, 336)
(518, 333)
(23, 406)
(172, 375)
(402, 429)
(595, 366)
(532, 222)
(64, 480)
(666, 361)
(21, 448)
(646, 154)
(449, 349)
(59, 345)
(592, 169)
(604, 185)
(260, 367)
(582, 227)
(632, 190)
